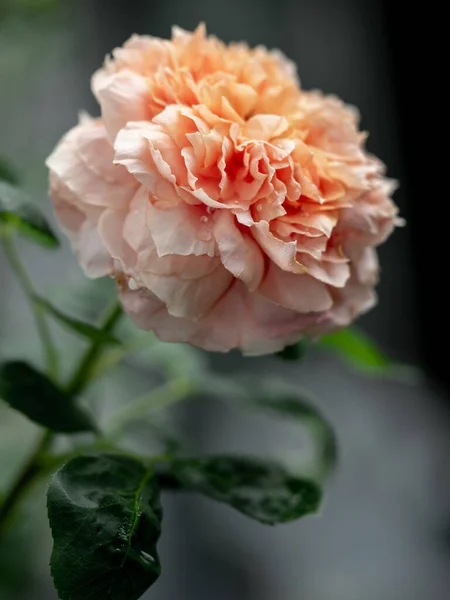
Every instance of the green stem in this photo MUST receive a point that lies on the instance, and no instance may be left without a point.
(48, 346)
(25, 478)
(35, 465)
(161, 397)
(82, 373)
(113, 356)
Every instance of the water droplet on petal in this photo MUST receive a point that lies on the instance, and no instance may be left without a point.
(132, 284)
(236, 202)
(204, 219)
(259, 207)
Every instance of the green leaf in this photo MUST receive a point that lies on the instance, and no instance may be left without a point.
(19, 211)
(34, 395)
(15, 559)
(84, 329)
(260, 489)
(7, 173)
(303, 411)
(294, 352)
(105, 515)
(363, 354)
(357, 348)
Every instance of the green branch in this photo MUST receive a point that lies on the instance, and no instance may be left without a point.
(50, 353)
(35, 465)
(161, 397)
(25, 478)
(88, 361)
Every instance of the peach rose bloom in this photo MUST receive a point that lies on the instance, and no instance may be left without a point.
(234, 209)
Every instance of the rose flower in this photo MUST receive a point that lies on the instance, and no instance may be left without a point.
(233, 209)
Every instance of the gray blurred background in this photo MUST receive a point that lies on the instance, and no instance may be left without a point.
(383, 532)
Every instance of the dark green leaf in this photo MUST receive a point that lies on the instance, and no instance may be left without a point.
(19, 211)
(294, 352)
(34, 395)
(84, 329)
(7, 173)
(16, 556)
(105, 517)
(301, 410)
(261, 490)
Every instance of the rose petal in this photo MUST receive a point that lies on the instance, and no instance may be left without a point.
(190, 298)
(84, 162)
(123, 97)
(239, 254)
(301, 293)
(332, 273)
(111, 231)
(283, 254)
(181, 230)
(92, 252)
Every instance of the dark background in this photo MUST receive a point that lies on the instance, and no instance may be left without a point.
(416, 45)
(383, 532)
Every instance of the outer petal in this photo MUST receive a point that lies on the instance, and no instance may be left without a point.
(136, 231)
(92, 252)
(143, 54)
(149, 312)
(355, 300)
(83, 162)
(69, 211)
(301, 293)
(333, 273)
(111, 231)
(123, 97)
(366, 268)
(240, 320)
(186, 297)
(274, 327)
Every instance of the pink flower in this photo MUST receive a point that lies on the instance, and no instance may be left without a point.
(234, 209)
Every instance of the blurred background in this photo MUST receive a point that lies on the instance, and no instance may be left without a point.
(384, 530)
